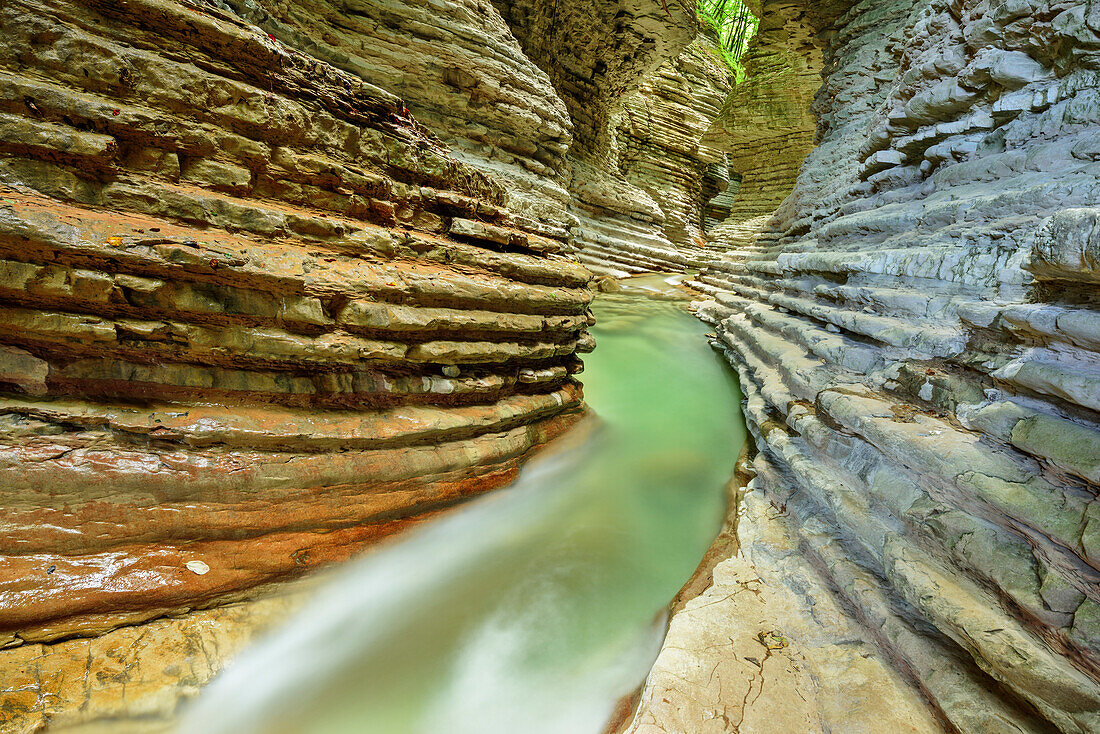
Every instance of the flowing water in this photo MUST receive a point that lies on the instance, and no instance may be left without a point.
(533, 609)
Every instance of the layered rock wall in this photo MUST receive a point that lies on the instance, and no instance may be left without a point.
(657, 135)
(596, 52)
(646, 215)
(619, 227)
(639, 97)
(917, 336)
(765, 126)
(459, 70)
(254, 315)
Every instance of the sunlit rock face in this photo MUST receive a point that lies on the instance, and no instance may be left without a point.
(916, 331)
(254, 315)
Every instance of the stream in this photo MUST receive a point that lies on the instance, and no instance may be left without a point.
(533, 609)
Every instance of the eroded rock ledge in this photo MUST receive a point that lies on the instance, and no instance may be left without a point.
(916, 333)
(650, 217)
(253, 314)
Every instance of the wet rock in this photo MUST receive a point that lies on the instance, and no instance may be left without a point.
(134, 678)
(912, 328)
(608, 284)
(231, 266)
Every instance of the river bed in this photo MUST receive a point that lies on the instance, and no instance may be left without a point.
(534, 609)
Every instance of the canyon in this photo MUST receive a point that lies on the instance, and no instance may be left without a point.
(281, 281)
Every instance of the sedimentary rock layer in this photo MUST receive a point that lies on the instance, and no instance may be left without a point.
(596, 52)
(252, 313)
(647, 214)
(765, 126)
(639, 98)
(918, 340)
(656, 142)
(459, 70)
(764, 649)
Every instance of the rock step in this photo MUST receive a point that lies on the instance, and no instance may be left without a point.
(804, 420)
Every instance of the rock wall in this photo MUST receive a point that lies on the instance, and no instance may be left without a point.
(639, 97)
(646, 214)
(596, 52)
(459, 70)
(620, 228)
(254, 315)
(658, 131)
(918, 337)
(765, 126)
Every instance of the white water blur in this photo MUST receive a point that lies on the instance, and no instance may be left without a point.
(533, 609)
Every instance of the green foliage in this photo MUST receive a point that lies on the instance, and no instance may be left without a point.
(735, 27)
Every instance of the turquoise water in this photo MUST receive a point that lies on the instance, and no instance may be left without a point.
(536, 608)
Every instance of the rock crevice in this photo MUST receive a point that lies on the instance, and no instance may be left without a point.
(327, 257)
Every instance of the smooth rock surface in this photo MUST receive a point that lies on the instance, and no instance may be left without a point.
(794, 661)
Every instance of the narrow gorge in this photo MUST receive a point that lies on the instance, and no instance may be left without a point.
(387, 356)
